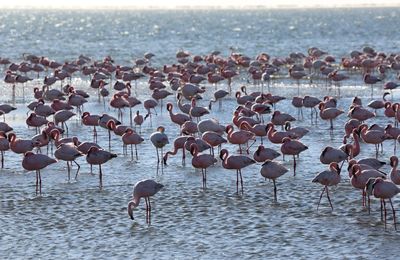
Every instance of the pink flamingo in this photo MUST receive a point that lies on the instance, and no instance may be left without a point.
(327, 178)
(213, 139)
(159, 139)
(360, 178)
(311, 102)
(383, 189)
(298, 103)
(375, 137)
(273, 170)
(275, 136)
(179, 143)
(239, 137)
(148, 105)
(297, 132)
(62, 117)
(218, 96)
(330, 154)
(69, 153)
(4, 146)
(196, 111)
(21, 145)
(143, 189)
(371, 80)
(97, 156)
(36, 121)
(279, 118)
(329, 113)
(132, 138)
(236, 162)
(138, 120)
(292, 147)
(360, 113)
(394, 173)
(36, 162)
(177, 118)
(202, 161)
(260, 130)
(262, 154)
(91, 120)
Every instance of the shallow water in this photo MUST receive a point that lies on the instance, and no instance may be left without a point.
(76, 220)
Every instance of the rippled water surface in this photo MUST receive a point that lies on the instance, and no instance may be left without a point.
(76, 220)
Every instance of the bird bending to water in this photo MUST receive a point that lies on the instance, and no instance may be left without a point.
(143, 189)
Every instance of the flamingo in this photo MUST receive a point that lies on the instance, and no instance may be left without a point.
(202, 161)
(138, 120)
(273, 170)
(36, 162)
(98, 156)
(4, 146)
(177, 118)
(236, 162)
(329, 113)
(292, 147)
(383, 189)
(132, 138)
(213, 139)
(91, 120)
(327, 178)
(196, 111)
(159, 139)
(62, 117)
(218, 96)
(69, 153)
(394, 173)
(360, 178)
(143, 189)
(21, 146)
(239, 137)
(179, 143)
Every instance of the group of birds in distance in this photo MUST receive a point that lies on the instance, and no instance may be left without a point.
(56, 100)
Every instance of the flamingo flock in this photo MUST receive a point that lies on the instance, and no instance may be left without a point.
(182, 85)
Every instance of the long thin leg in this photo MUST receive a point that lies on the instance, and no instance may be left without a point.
(384, 208)
(241, 179)
(381, 210)
(100, 177)
(69, 170)
(37, 183)
(77, 171)
(237, 181)
(136, 153)
(394, 214)
(294, 165)
(275, 195)
(329, 199)
(320, 197)
(40, 183)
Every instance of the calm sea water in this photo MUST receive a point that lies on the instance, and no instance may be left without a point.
(76, 220)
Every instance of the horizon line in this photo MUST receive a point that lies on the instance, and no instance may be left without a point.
(197, 7)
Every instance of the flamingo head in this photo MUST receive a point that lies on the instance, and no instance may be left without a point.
(259, 149)
(334, 166)
(161, 129)
(193, 149)
(85, 114)
(223, 154)
(169, 106)
(394, 161)
(228, 129)
(131, 206)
